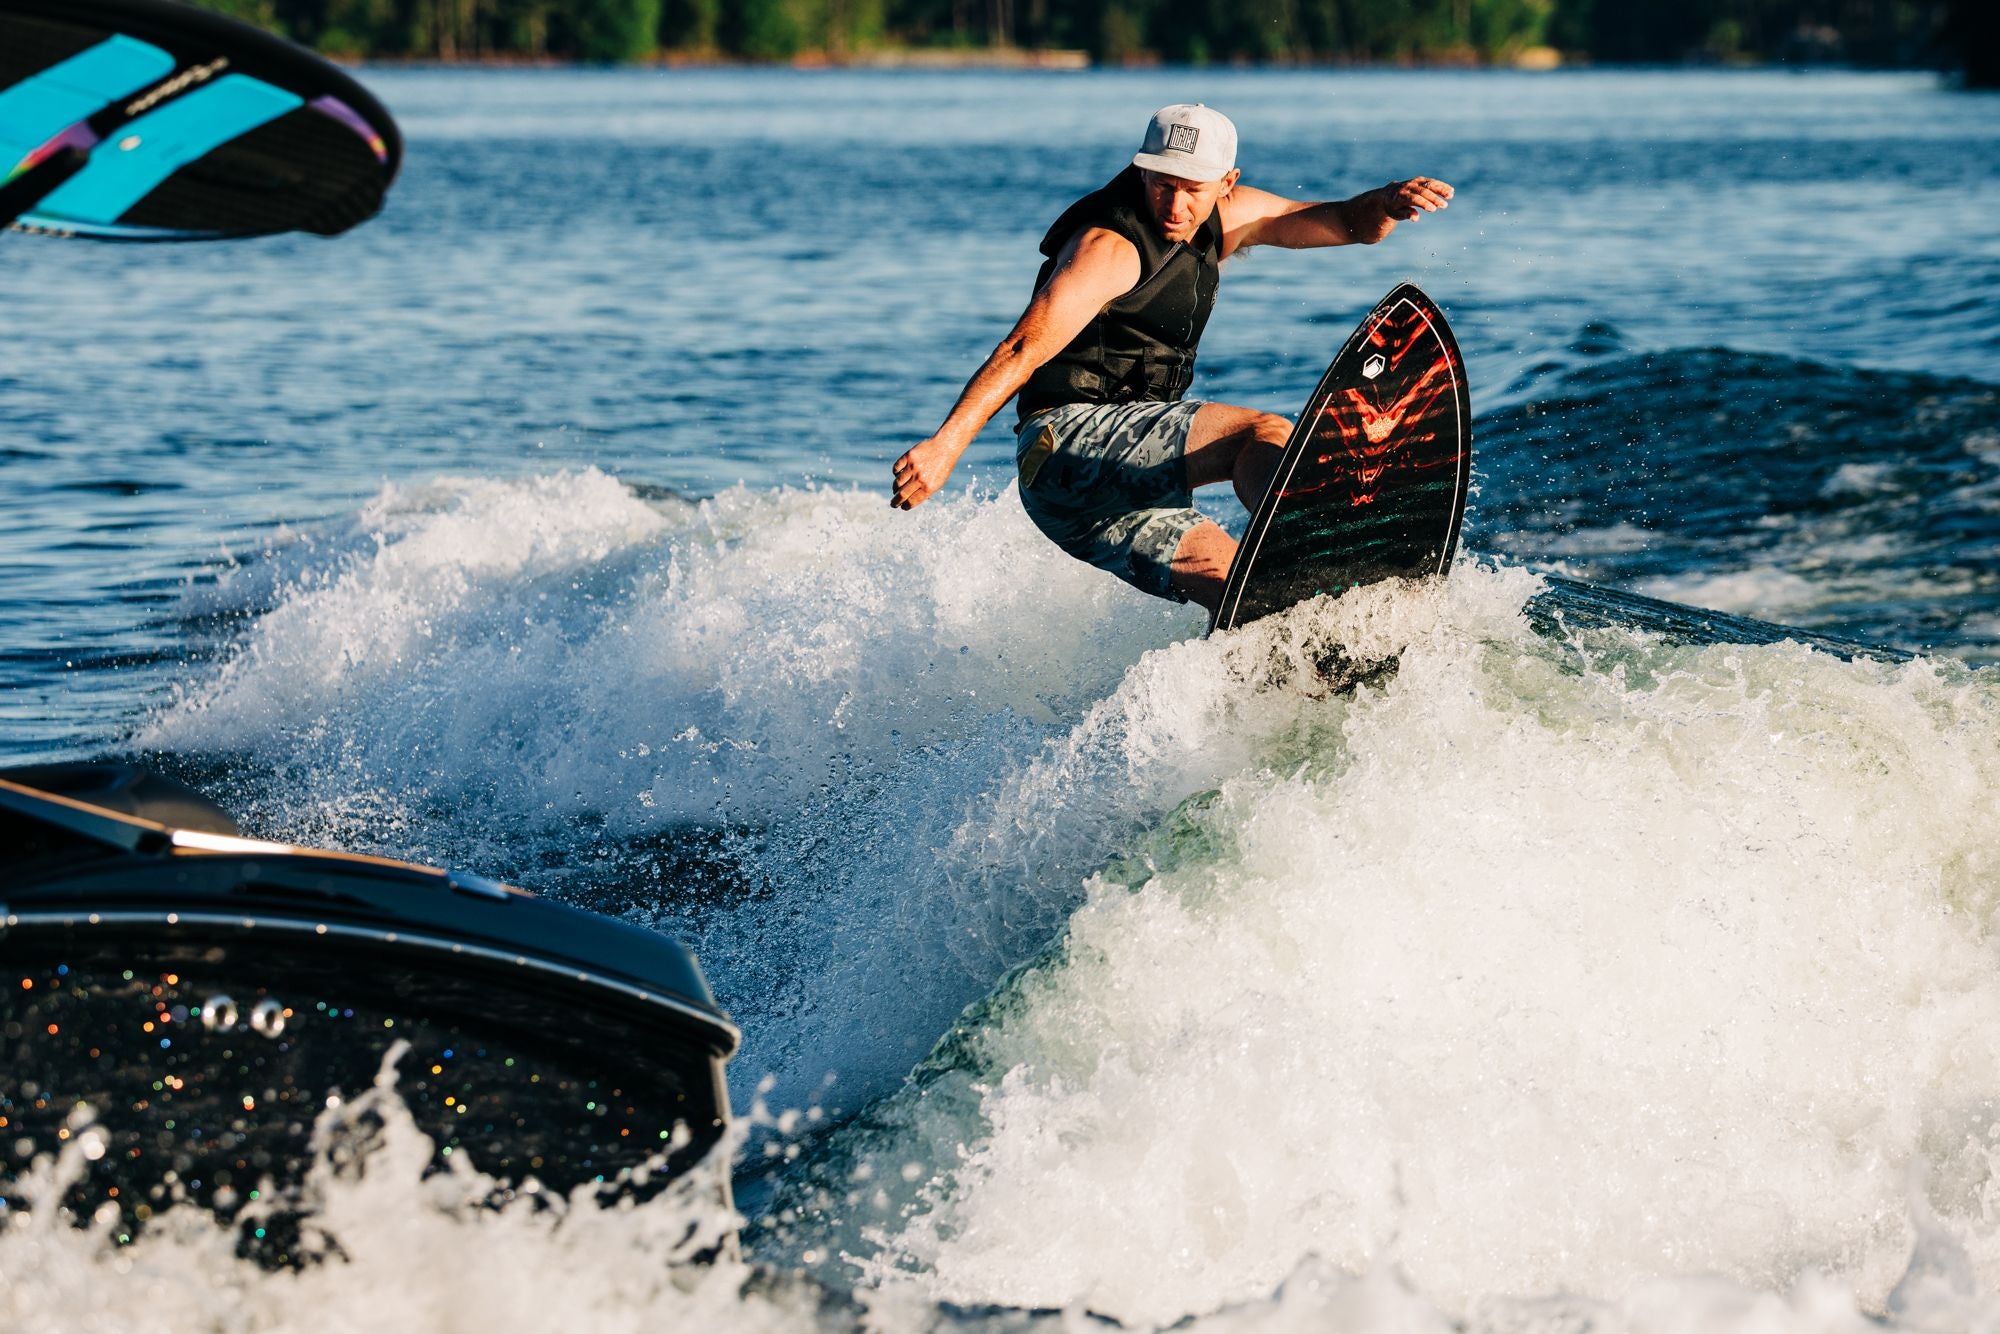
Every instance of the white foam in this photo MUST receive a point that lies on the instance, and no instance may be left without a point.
(1611, 540)
(558, 644)
(1766, 591)
(1547, 980)
(500, 663)
(1521, 992)
(399, 1250)
(1860, 480)
(1840, 571)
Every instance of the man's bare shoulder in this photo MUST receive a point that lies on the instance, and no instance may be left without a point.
(1098, 244)
(1097, 259)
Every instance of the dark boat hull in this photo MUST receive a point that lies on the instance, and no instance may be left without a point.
(210, 1000)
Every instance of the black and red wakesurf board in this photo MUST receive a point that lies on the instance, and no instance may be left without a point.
(1372, 483)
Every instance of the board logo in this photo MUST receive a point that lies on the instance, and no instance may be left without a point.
(1181, 138)
(180, 83)
(1373, 367)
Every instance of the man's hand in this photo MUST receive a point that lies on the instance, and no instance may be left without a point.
(921, 471)
(1404, 201)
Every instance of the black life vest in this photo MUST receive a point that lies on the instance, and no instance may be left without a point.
(1141, 346)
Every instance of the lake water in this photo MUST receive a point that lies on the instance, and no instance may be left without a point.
(540, 527)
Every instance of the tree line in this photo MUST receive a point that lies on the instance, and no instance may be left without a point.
(1868, 32)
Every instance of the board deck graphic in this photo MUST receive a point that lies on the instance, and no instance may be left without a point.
(1372, 482)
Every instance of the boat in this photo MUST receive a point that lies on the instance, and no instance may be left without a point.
(206, 999)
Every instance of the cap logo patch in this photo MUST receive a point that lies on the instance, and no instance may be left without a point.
(1181, 138)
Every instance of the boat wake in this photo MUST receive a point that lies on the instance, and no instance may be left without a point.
(1549, 965)
(1853, 501)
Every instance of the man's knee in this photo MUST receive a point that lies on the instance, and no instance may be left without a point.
(1220, 444)
(1271, 429)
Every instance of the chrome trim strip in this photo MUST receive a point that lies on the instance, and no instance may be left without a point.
(189, 838)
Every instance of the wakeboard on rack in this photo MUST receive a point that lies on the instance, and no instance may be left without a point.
(152, 120)
(1372, 482)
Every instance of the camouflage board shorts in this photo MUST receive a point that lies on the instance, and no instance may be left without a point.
(1107, 482)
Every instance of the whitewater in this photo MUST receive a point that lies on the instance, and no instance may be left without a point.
(1093, 974)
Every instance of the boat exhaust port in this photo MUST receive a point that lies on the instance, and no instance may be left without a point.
(267, 1017)
(218, 1014)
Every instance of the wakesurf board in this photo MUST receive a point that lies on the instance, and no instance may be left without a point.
(1372, 482)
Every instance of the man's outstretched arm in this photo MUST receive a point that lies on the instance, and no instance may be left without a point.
(1257, 217)
(1096, 268)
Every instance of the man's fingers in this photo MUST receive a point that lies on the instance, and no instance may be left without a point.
(1404, 200)
(1420, 194)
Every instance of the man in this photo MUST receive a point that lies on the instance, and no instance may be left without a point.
(1108, 451)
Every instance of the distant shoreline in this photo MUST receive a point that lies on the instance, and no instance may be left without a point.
(958, 58)
(947, 59)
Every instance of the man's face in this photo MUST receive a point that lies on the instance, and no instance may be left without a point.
(1180, 206)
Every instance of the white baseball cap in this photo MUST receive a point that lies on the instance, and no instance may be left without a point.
(1188, 140)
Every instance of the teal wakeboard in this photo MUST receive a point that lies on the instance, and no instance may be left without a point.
(1372, 482)
(153, 120)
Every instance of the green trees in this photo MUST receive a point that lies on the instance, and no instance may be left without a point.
(616, 30)
(1181, 31)
(1869, 32)
(768, 29)
(606, 30)
(1205, 31)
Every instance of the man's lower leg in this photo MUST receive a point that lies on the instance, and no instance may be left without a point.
(1201, 564)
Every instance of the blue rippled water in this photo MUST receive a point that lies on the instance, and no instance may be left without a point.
(540, 526)
(709, 277)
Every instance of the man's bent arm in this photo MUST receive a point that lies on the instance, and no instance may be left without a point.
(1095, 269)
(1257, 217)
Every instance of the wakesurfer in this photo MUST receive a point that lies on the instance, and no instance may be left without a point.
(1108, 448)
